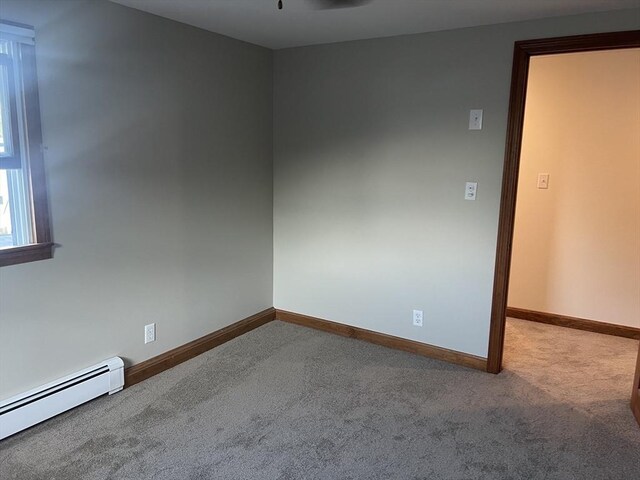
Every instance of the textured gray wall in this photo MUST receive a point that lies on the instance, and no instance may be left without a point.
(371, 156)
(159, 164)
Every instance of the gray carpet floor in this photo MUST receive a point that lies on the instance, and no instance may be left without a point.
(286, 402)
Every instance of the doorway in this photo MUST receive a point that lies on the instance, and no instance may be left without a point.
(523, 51)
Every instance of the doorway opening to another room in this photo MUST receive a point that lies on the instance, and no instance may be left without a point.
(569, 250)
(523, 53)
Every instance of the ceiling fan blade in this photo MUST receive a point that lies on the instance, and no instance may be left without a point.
(326, 4)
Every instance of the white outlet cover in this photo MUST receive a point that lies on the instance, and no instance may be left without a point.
(150, 333)
(418, 317)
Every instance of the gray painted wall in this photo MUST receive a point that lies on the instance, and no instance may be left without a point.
(160, 172)
(371, 156)
(159, 162)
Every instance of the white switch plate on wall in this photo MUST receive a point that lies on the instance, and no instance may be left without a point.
(475, 120)
(470, 190)
(543, 180)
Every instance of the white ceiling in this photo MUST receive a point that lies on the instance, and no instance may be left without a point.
(299, 23)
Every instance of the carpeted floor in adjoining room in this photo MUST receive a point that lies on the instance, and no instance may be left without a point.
(286, 402)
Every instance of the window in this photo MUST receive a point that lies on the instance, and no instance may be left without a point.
(24, 213)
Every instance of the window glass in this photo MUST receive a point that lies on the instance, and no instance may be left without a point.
(25, 232)
(16, 216)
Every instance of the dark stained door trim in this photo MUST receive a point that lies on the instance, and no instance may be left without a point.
(523, 51)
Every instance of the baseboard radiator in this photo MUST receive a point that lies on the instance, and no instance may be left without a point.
(27, 409)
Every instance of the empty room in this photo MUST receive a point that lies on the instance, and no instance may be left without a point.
(300, 239)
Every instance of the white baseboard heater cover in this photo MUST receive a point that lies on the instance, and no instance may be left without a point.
(27, 409)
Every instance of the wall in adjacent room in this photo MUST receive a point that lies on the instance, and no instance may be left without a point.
(158, 153)
(371, 155)
(576, 248)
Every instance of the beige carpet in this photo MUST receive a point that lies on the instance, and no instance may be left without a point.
(286, 402)
(592, 373)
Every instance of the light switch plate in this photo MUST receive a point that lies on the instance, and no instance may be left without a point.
(470, 190)
(475, 120)
(543, 180)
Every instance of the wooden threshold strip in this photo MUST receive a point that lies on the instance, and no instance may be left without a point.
(385, 340)
(574, 322)
(165, 361)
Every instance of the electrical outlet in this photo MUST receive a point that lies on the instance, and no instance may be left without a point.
(150, 333)
(417, 318)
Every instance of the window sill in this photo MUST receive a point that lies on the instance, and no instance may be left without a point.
(26, 254)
